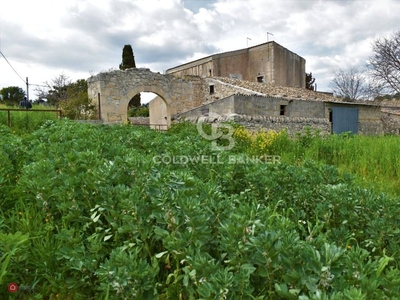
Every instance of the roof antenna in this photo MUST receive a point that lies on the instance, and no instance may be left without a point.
(268, 33)
(248, 42)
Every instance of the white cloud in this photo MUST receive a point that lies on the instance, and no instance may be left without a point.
(44, 38)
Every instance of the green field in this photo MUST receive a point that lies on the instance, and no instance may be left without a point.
(26, 120)
(119, 212)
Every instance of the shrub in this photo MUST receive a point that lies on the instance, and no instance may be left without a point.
(140, 111)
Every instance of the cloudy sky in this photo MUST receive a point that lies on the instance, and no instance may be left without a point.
(43, 39)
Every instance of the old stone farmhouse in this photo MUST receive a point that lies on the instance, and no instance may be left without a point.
(257, 105)
(267, 63)
(259, 87)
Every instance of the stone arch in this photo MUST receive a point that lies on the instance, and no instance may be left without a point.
(151, 89)
(163, 103)
(112, 92)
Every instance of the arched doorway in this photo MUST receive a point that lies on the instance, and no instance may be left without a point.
(112, 92)
(152, 111)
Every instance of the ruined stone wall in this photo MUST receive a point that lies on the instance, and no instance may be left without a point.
(116, 88)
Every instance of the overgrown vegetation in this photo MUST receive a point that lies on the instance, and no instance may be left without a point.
(121, 212)
(78, 106)
(27, 121)
(373, 159)
(139, 111)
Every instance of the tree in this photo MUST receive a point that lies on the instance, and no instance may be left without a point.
(56, 90)
(350, 84)
(385, 62)
(78, 106)
(310, 80)
(12, 95)
(128, 61)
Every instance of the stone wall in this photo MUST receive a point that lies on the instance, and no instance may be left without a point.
(292, 125)
(260, 106)
(391, 123)
(158, 111)
(256, 123)
(116, 88)
(139, 120)
(391, 116)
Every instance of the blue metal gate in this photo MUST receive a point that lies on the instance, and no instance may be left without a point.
(344, 119)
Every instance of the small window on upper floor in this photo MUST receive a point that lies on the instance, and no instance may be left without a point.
(212, 91)
(283, 110)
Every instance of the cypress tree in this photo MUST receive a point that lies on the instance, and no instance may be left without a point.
(128, 61)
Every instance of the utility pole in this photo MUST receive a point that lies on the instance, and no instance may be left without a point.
(27, 89)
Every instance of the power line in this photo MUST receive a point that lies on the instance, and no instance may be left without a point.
(40, 85)
(12, 67)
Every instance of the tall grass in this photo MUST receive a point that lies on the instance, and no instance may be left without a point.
(374, 160)
(27, 121)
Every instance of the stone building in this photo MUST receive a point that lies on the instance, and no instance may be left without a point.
(268, 63)
(277, 113)
(270, 99)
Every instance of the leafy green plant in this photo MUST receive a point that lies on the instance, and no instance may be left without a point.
(95, 212)
(139, 111)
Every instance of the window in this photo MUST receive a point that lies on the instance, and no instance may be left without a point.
(260, 78)
(283, 110)
(212, 91)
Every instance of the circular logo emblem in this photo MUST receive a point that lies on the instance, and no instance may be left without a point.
(12, 287)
